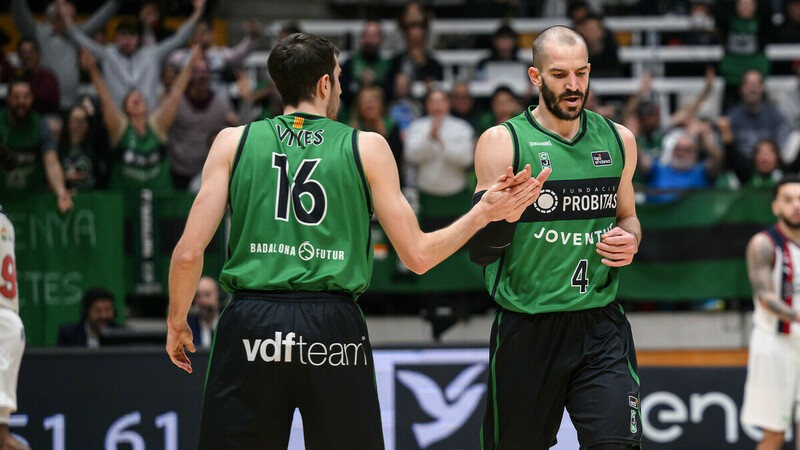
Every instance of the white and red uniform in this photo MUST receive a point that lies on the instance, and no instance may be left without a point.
(772, 389)
(12, 333)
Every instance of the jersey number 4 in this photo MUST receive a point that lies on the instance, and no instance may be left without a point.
(8, 288)
(302, 185)
(580, 278)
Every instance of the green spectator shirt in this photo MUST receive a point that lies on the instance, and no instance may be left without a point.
(29, 142)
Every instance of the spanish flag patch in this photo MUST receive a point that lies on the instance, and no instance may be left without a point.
(298, 122)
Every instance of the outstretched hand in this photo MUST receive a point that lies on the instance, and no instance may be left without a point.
(617, 247)
(177, 338)
(512, 194)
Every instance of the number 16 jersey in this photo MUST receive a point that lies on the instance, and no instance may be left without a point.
(300, 208)
(552, 262)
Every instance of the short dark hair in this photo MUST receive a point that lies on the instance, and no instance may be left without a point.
(298, 62)
(19, 80)
(786, 179)
(127, 27)
(501, 90)
(28, 40)
(94, 295)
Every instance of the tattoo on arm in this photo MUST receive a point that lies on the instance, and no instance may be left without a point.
(760, 255)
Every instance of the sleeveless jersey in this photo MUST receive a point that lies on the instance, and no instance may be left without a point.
(785, 279)
(300, 208)
(28, 177)
(9, 295)
(552, 263)
(142, 162)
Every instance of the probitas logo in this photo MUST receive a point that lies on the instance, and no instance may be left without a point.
(282, 349)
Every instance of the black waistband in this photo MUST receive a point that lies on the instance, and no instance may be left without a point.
(293, 295)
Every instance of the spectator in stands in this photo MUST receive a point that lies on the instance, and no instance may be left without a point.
(261, 102)
(404, 109)
(79, 151)
(97, 314)
(369, 114)
(463, 105)
(25, 133)
(59, 52)
(202, 113)
(692, 159)
(219, 58)
(502, 65)
(744, 35)
(789, 31)
(788, 103)
(754, 118)
(128, 66)
(764, 166)
(602, 47)
(43, 82)
(152, 26)
(415, 60)
(139, 139)
(365, 67)
(504, 104)
(207, 304)
(441, 147)
(642, 114)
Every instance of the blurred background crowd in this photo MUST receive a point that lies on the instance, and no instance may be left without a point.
(129, 96)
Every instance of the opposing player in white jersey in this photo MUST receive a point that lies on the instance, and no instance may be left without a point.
(772, 389)
(12, 333)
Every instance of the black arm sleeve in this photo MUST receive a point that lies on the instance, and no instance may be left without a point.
(491, 241)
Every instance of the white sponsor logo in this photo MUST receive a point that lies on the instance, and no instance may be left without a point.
(569, 238)
(305, 251)
(673, 411)
(281, 348)
(547, 201)
(542, 144)
(450, 409)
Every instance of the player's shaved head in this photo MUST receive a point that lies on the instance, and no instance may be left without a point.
(555, 35)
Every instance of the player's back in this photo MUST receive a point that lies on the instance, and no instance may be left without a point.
(9, 295)
(300, 208)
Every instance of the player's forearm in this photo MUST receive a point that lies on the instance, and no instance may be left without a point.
(435, 247)
(632, 226)
(185, 270)
(779, 307)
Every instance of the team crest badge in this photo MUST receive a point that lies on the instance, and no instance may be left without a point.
(3, 234)
(544, 158)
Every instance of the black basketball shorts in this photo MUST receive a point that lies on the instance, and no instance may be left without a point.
(276, 352)
(541, 363)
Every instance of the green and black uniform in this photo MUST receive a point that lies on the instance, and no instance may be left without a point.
(559, 338)
(299, 256)
(29, 141)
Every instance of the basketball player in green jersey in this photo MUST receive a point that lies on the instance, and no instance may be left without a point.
(301, 189)
(559, 338)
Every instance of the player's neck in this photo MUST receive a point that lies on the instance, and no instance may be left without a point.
(566, 129)
(316, 108)
(792, 233)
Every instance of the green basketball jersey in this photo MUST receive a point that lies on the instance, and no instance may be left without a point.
(552, 262)
(25, 142)
(300, 208)
(142, 162)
